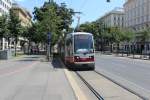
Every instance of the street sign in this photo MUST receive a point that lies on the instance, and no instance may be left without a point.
(49, 35)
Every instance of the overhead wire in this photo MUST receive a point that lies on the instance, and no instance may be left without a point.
(83, 5)
(79, 17)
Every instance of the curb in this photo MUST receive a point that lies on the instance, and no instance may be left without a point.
(76, 89)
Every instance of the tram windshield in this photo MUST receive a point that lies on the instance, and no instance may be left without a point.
(83, 44)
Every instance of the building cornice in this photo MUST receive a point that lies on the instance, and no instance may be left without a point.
(22, 10)
(127, 2)
(113, 12)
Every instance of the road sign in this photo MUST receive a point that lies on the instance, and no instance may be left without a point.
(49, 35)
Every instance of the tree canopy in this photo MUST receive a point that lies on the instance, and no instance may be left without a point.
(3, 26)
(52, 18)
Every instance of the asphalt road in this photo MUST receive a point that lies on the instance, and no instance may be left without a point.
(31, 78)
(134, 71)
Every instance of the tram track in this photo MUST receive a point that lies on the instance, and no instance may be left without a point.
(122, 86)
(99, 97)
(85, 80)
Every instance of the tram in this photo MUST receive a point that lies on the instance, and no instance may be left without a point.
(79, 50)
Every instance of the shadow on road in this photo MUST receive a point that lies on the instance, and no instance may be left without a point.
(57, 63)
(32, 57)
(28, 60)
(60, 65)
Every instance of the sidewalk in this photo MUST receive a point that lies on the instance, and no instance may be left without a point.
(32, 78)
(141, 57)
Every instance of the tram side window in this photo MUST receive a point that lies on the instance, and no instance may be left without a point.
(69, 47)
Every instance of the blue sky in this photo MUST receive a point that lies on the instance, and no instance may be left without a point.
(92, 9)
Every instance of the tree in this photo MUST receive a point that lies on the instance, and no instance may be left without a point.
(53, 18)
(66, 15)
(14, 27)
(97, 28)
(3, 26)
(145, 35)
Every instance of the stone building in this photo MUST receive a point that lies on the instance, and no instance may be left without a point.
(137, 18)
(114, 18)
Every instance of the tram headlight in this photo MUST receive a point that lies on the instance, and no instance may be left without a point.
(76, 58)
(91, 58)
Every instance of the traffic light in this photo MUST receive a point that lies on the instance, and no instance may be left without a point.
(108, 0)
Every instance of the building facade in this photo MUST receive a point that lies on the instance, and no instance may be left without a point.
(114, 18)
(5, 5)
(25, 18)
(137, 14)
(26, 21)
(23, 15)
(137, 19)
(111, 20)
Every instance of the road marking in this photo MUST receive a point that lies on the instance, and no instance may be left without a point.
(78, 92)
(19, 70)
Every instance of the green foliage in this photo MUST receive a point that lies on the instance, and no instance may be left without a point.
(128, 35)
(3, 26)
(112, 34)
(65, 16)
(145, 35)
(53, 18)
(14, 25)
(90, 27)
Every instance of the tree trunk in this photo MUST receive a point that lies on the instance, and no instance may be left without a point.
(9, 43)
(16, 47)
(29, 48)
(133, 50)
(122, 50)
(111, 47)
(128, 49)
(0, 43)
(117, 48)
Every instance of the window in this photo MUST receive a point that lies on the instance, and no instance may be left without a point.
(69, 47)
(83, 43)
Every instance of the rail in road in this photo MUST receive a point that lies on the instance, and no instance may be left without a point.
(100, 86)
(94, 90)
(90, 86)
(122, 86)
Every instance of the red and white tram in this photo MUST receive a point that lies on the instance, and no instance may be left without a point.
(79, 50)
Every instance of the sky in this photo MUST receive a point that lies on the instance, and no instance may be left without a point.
(91, 9)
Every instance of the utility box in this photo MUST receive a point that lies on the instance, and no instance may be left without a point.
(6, 54)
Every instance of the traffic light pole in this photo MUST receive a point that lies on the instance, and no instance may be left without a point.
(48, 46)
(48, 52)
